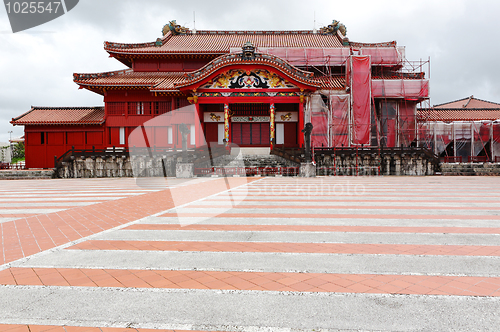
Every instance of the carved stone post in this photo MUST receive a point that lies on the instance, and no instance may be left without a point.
(307, 169)
(184, 169)
(183, 128)
(307, 141)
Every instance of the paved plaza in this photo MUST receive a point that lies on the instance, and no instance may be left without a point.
(250, 254)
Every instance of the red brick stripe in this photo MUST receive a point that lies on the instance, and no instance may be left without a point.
(49, 328)
(263, 281)
(42, 232)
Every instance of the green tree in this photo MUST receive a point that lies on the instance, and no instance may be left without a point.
(18, 152)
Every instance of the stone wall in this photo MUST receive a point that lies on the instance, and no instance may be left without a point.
(158, 166)
(374, 165)
(470, 169)
(118, 166)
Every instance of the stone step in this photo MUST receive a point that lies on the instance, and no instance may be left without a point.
(26, 174)
(249, 161)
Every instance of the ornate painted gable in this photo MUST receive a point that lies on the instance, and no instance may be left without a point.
(248, 79)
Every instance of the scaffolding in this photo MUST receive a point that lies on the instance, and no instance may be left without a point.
(462, 141)
(378, 106)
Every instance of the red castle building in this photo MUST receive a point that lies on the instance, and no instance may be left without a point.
(250, 88)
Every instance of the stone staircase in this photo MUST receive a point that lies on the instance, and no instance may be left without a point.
(250, 164)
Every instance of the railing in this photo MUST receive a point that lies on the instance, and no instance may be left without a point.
(450, 159)
(12, 166)
(478, 159)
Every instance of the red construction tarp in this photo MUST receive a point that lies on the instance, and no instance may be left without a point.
(388, 123)
(482, 135)
(319, 120)
(407, 112)
(495, 149)
(307, 56)
(444, 136)
(340, 120)
(426, 136)
(400, 88)
(382, 55)
(463, 136)
(360, 79)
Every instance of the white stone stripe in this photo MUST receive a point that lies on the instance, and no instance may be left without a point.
(303, 237)
(354, 221)
(2, 220)
(485, 266)
(350, 210)
(333, 198)
(340, 203)
(252, 311)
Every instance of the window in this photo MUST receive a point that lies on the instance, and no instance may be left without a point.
(42, 138)
(116, 108)
(122, 135)
(162, 107)
(280, 133)
(170, 135)
(192, 135)
(220, 133)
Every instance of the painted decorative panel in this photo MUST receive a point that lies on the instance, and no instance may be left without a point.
(241, 79)
(213, 117)
(287, 117)
(250, 119)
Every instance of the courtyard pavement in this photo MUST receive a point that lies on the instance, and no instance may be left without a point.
(250, 254)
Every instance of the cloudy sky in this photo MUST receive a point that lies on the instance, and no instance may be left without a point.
(36, 66)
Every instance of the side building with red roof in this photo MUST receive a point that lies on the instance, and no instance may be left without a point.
(464, 130)
(250, 88)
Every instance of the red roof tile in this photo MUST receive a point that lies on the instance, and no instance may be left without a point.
(335, 82)
(168, 83)
(469, 102)
(61, 116)
(220, 42)
(458, 114)
(127, 78)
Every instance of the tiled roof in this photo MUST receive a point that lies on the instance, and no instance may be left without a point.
(232, 59)
(335, 82)
(128, 78)
(469, 102)
(458, 114)
(61, 116)
(220, 42)
(168, 83)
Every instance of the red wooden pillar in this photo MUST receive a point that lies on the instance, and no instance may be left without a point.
(200, 141)
(272, 129)
(301, 124)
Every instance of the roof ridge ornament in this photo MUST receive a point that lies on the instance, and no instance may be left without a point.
(248, 51)
(175, 28)
(333, 28)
